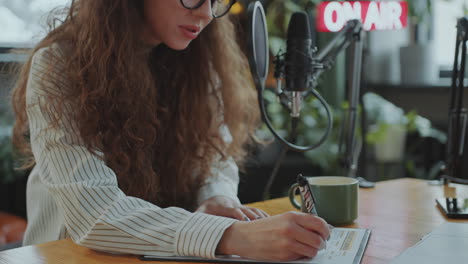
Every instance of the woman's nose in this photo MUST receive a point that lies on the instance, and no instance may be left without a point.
(204, 11)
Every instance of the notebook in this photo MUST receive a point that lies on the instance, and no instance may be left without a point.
(345, 246)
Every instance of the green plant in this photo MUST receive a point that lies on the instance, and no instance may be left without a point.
(385, 119)
(383, 114)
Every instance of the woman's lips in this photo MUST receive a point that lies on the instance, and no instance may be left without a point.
(190, 32)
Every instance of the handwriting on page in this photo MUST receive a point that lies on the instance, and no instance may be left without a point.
(342, 247)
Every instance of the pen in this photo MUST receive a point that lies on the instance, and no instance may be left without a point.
(306, 194)
(309, 200)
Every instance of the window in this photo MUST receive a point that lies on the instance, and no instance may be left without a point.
(446, 13)
(23, 22)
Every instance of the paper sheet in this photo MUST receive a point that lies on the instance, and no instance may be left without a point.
(446, 244)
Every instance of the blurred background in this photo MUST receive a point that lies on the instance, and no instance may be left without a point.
(404, 106)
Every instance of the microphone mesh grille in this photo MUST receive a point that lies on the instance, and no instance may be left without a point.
(299, 26)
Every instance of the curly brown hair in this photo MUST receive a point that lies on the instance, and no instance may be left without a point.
(151, 113)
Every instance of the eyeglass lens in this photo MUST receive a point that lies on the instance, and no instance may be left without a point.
(218, 7)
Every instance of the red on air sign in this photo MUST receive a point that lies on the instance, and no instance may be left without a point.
(388, 15)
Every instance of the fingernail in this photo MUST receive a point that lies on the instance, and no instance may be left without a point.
(330, 227)
(323, 244)
(246, 219)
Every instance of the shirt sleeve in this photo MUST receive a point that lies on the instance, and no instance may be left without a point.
(224, 178)
(96, 212)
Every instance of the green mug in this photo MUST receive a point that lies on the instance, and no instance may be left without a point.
(336, 198)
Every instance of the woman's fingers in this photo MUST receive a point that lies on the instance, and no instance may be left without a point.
(282, 238)
(248, 213)
(315, 223)
(260, 212)
(254, 213)
(240, 214)
(304, 250)
(303, 236)
(251, 214)
(225, 206)
(306, 237)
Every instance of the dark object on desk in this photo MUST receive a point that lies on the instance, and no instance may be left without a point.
(454, 207)
(363, 183)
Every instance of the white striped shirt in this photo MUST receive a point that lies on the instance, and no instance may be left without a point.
(72, 193)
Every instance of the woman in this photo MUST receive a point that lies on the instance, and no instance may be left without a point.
(134, 114)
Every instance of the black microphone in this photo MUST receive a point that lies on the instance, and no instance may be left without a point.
(298, 60)
(299, 75)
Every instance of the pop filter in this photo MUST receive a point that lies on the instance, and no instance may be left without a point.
(258, 44)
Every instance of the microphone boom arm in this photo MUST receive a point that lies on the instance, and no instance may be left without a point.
(457, 113)
(351, 36)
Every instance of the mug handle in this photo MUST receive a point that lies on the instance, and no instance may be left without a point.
(292, 196)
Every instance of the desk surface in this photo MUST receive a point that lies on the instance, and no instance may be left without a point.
(399, 212)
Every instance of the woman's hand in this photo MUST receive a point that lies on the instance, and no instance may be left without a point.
(227, 207)
(284, 237)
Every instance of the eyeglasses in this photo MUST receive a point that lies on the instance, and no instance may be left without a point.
(218, 7)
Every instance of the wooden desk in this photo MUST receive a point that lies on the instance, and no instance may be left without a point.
(399, 212)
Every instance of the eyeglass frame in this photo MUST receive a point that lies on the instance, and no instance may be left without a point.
(201, 2)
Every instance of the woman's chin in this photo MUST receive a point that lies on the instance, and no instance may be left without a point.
(178, 43)
(179, 46)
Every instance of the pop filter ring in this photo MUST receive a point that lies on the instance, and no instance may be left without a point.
(257, 17)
